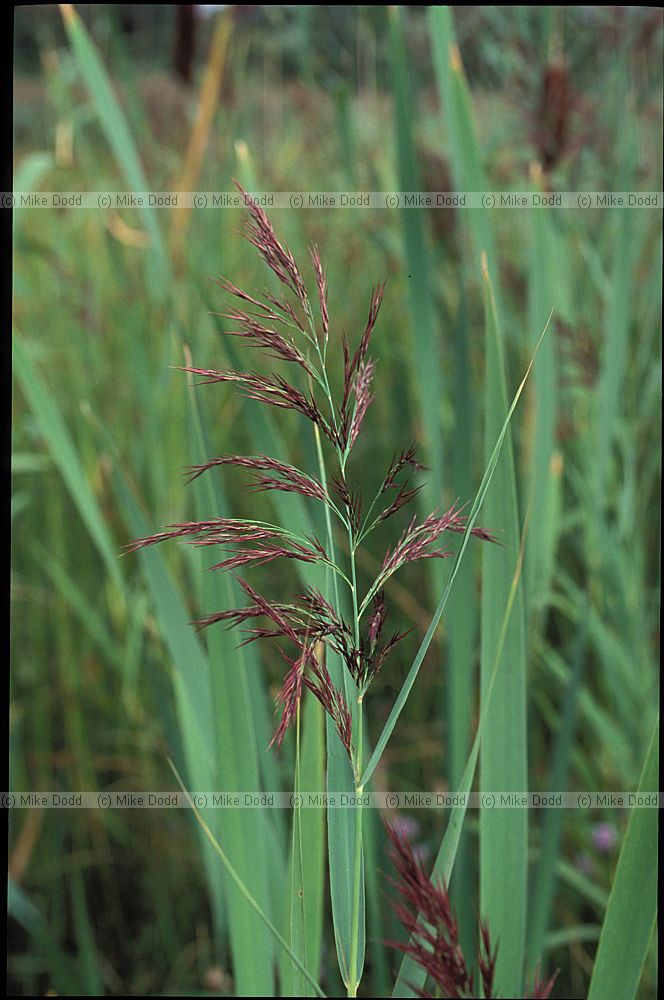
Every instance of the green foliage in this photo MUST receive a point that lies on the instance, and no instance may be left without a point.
(536, 670)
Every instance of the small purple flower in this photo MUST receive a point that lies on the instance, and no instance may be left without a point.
(604, 838)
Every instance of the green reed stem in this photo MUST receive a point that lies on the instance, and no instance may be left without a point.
(353, 980)
(342, 456)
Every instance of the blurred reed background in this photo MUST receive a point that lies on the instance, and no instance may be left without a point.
(108, 680)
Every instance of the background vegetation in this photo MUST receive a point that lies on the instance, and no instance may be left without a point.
(108, 680)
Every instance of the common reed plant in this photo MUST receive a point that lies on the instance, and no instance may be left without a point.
(312, 624)
(106, 671)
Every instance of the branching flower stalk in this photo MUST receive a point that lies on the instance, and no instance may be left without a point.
(287, 330)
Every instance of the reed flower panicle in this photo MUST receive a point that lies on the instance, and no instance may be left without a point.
(286, 329)
(424, 910)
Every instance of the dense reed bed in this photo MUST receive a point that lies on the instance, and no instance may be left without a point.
(518, 350)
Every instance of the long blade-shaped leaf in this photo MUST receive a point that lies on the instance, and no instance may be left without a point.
(549, 264)
(306, 880)
(63, 450)
(412, 976)
(119, 138)
(425, 338)
(426, 642)
(632, 907)
(464, 149)
(544, 880)
(238, 742)
(244, 891)
(503, 764)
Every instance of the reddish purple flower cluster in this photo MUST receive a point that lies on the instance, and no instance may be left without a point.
(425, 912)
(287, 331)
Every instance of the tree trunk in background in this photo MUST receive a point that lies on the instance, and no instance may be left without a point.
(183, 51)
